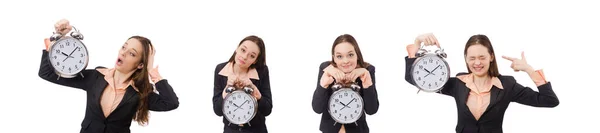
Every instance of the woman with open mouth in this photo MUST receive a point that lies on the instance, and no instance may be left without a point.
(482, 95)
(246, 67)
(347, 64)
(116, 96)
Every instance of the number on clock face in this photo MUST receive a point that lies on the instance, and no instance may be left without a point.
(346, 106)
(239, 107)
(69, 56)
(430, 73)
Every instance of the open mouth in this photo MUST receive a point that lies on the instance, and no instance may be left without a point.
(119, 62)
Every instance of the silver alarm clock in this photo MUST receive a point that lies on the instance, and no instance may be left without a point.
(430, 71)
(68, 55)
(345, 104)
(239, 106)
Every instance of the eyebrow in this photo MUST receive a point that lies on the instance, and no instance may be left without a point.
(348, 52)
(135, 50)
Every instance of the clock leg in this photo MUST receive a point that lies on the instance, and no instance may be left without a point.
(356, 124)
(81, 75)
(418, 91)
(334, 123)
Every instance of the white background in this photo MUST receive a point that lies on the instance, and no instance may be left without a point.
(192, 38)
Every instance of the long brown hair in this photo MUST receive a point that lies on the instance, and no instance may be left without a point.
(484, 41)
(141, 81)
(349, 39)
(262, 55)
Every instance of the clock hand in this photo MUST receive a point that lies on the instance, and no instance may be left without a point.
(244, 103)
(69, 54)
(435, 68)
(63, 53)
(238, 107)
(426, 70)
(351, 102)
(426, 75)
(73, 51)
(344, 106)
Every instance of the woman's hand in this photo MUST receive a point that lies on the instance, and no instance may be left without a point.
(330, 75)
(519, 64)
(356, 73)
(153, 71)
(231, 81)
(154, 74)
(62, 27)
(427, 39)
(255, 91)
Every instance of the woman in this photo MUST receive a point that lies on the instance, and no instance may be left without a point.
(346, 64)
(482, 95)
(116, 96)
(246, 67)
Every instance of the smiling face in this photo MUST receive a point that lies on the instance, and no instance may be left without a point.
(130, 56)
(246, 54)
(478, 60)
(480, 57)
(345, 57)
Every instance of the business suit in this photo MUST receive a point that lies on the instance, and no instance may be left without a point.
(265, 105)
(94, 84)
(321, 99)
(491, 120)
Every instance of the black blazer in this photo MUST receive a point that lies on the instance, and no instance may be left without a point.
(93, 83)
(265, 104)
(491, 120)
(321, 99)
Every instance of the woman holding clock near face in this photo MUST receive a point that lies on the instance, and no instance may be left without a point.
(116, 96)
(347, 63)
(482, 95)
(247, 66)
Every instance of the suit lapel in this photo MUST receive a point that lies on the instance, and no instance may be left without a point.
(99, 89)
(129, 93)
(494, 97)
(463, 95)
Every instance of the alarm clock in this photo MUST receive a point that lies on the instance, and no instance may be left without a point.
(345, 104)
(430, 71)
(239, 106)
(68, 55)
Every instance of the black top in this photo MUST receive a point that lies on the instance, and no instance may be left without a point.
(491, 120)
(265, 105)
(94, 84)
(321, 99)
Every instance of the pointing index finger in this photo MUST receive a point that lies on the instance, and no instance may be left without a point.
(508, 58)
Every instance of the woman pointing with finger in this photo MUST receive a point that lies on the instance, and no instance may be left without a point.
(482, 95)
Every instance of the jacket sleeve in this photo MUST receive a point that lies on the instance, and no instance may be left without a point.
(370, 95)
(47, 73)
(265, 104)
(448, 88)
(525, 95)
(218, 93)
(166, 100)
(320, 96)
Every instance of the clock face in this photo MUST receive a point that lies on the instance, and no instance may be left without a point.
(68, 56)
(239, 107)
(430, 73)
(345, 106)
